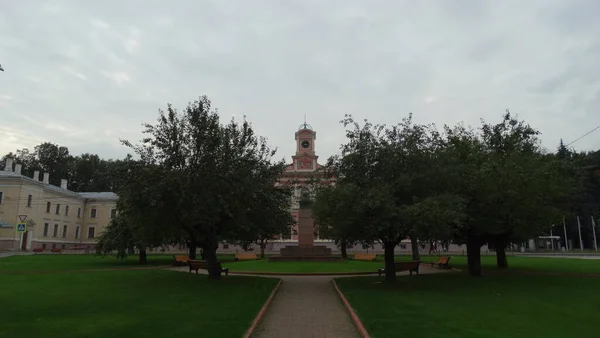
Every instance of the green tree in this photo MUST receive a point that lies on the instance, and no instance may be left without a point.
(334, 212)
(268, 216)
(216, 171)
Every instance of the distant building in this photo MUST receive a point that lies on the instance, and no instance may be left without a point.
(303, 169)
(55, 216)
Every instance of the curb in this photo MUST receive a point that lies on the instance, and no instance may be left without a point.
(262, 311)
(359, 325)
(258, 273)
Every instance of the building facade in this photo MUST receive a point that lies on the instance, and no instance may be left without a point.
(55, 216)
(303, 173)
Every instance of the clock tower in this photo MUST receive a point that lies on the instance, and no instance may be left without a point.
(305, 158)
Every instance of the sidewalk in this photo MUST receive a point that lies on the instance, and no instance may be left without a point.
(306, 307)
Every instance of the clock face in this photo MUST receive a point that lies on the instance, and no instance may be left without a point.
(305, 144)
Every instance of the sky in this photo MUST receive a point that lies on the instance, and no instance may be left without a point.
(85, 74)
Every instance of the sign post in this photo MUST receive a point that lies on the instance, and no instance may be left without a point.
(21, 227)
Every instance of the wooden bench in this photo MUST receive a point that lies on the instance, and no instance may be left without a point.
(365, 257)
(198, 264)
(38, 250)
(443, 262)
(56, 250)
(403, 266)
(180, 259)
(245, 256)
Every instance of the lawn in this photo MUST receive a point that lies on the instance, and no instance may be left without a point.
(53, 262)
(456, 305)
(82, 262)
(146, 303)
(538, 264)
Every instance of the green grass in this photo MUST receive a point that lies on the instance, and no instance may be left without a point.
(538, 264)
(456, 305)
(147, 303)
(81, 262)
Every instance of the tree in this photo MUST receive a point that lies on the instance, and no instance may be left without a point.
(393, 169)
(143, 220)
(216, 171)
(334, 212)
(268, 216)
(511, 189)
(55, 160)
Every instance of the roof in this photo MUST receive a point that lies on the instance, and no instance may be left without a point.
(50, 187)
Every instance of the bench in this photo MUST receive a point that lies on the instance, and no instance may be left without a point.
(245, 256)
(443, 262)
(198, 264)
(180, 259)
(56, 250)
(365, 257)
(38, 250)
(403, 266)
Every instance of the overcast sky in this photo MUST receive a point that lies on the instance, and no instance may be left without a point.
(86, 73)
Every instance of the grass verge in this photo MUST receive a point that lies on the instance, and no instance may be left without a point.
(128, 304)
(456, 305)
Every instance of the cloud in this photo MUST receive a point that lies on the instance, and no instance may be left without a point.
(85, 74)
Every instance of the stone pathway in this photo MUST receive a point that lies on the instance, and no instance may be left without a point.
(306, 307)
(309, 307)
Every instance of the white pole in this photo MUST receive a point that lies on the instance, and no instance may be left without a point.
(551, 240)
(594, 233)
(566, 240)
(579, 229)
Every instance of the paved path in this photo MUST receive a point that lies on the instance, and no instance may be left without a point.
(306, 307)
(309, 307)
(14, 253)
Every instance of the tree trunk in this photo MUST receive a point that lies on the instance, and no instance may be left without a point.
(210, 255)
(390, 268)
(344, 248)
(262, 249)
(500, 244)
(192, 245)
(414, 245)
(143, 259)
(474, 255)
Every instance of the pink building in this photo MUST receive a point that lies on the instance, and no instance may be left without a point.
(303, 170)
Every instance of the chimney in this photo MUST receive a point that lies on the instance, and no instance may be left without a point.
(63, 184)
(9, 163)
(18, 168)
(36, 175)
(47, 178)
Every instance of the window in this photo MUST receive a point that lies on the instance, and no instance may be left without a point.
(53, 246)
(64, 231)
(62, 246)
(225, 245)
(91, 232)
(113, 213)
(44, 246)
(29, 200)
(93, 213)
(46, 225)
(48, 205)
(78, 212)
(77, 232)
(1, 195)
(67, 210)
(55, 230)
(58, 209)
(402, 246)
